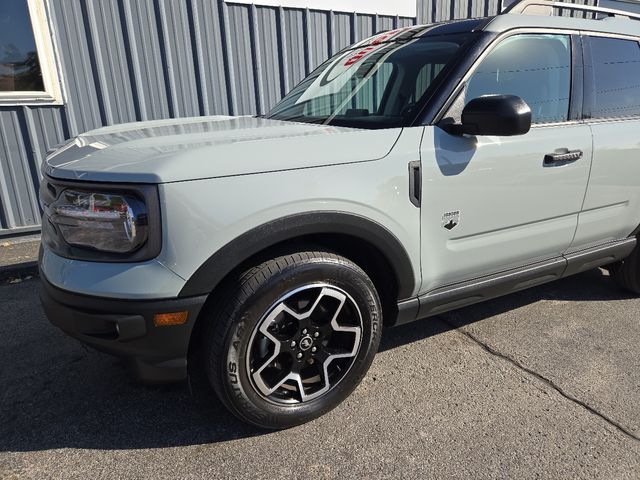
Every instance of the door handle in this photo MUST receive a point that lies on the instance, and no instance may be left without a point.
(559, 159)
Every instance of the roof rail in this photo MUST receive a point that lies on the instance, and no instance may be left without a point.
(546, 7)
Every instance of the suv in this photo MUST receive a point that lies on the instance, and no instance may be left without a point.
(419, 171)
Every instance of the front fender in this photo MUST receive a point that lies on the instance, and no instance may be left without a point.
(221, 263)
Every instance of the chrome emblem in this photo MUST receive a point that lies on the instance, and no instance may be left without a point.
(305, 343)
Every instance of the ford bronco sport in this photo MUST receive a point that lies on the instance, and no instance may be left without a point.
(418, 171)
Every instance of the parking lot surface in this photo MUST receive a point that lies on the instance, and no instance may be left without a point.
(540, 384)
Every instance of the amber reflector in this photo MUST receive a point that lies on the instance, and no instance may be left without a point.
(167, 319)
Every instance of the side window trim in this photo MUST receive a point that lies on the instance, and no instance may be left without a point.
(577, 80)
(589, 82)
(576, 94)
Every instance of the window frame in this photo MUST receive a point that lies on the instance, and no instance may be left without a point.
(577, 73)
(51, 78)
(589, 80)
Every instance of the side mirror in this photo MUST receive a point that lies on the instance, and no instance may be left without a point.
(498, 115)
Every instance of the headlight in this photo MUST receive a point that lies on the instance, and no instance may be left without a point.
(107, 222)
(101, 222)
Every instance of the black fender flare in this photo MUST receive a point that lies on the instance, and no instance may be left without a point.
(221, 263)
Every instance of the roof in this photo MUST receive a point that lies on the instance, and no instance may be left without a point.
(502, 23)
(416, 31)
(506, 22)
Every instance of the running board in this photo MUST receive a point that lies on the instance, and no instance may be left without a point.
(474, 291)
(486, 288)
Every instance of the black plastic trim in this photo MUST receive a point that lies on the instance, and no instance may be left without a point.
(125, 327)
(589, 79)
(577, 79)
(475, 291)
(415, 183)
(221, 263)
(599, 256)
(50, 190)
(407, 311)
(493, 286)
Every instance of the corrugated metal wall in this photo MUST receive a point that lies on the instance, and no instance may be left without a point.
(131, 60)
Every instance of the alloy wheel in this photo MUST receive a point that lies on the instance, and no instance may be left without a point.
(305, 344)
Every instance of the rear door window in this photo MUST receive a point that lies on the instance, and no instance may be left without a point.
(615, 77)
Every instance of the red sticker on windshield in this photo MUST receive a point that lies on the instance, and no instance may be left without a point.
(383, 37)
(375, 43)
(359, 55)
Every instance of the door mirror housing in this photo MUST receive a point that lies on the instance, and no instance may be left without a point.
(496, 115)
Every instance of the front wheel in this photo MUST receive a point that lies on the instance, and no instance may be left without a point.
(297, 335)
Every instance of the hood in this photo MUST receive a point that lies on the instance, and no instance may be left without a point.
(208, 147)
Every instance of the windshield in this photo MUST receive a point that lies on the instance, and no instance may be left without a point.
(379, 85)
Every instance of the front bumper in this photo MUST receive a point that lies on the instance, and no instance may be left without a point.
(126, 328)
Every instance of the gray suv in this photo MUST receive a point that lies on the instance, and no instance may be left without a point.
(418, 171)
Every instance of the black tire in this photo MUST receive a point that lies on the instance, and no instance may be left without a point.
(627, 273)
(239, 353)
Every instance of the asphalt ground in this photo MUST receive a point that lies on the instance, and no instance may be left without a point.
(540, 384)
(18, 257)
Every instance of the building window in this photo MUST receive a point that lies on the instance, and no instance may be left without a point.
(28, 73)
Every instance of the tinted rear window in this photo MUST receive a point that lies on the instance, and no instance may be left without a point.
(616, 77)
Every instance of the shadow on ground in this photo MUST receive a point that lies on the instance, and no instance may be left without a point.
(57, 394)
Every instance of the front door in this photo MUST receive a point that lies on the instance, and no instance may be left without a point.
(490, 204)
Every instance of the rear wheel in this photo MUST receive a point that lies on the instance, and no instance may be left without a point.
(297, 335)
(627, 273)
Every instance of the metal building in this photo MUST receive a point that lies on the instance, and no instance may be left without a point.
(111, 61)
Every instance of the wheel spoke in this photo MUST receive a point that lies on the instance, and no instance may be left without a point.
(264, 330)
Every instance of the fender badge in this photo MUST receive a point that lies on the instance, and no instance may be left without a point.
(451, 220)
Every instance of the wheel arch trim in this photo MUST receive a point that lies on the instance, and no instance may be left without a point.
(209, 275)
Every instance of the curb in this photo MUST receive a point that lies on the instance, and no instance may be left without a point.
(18, 270)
